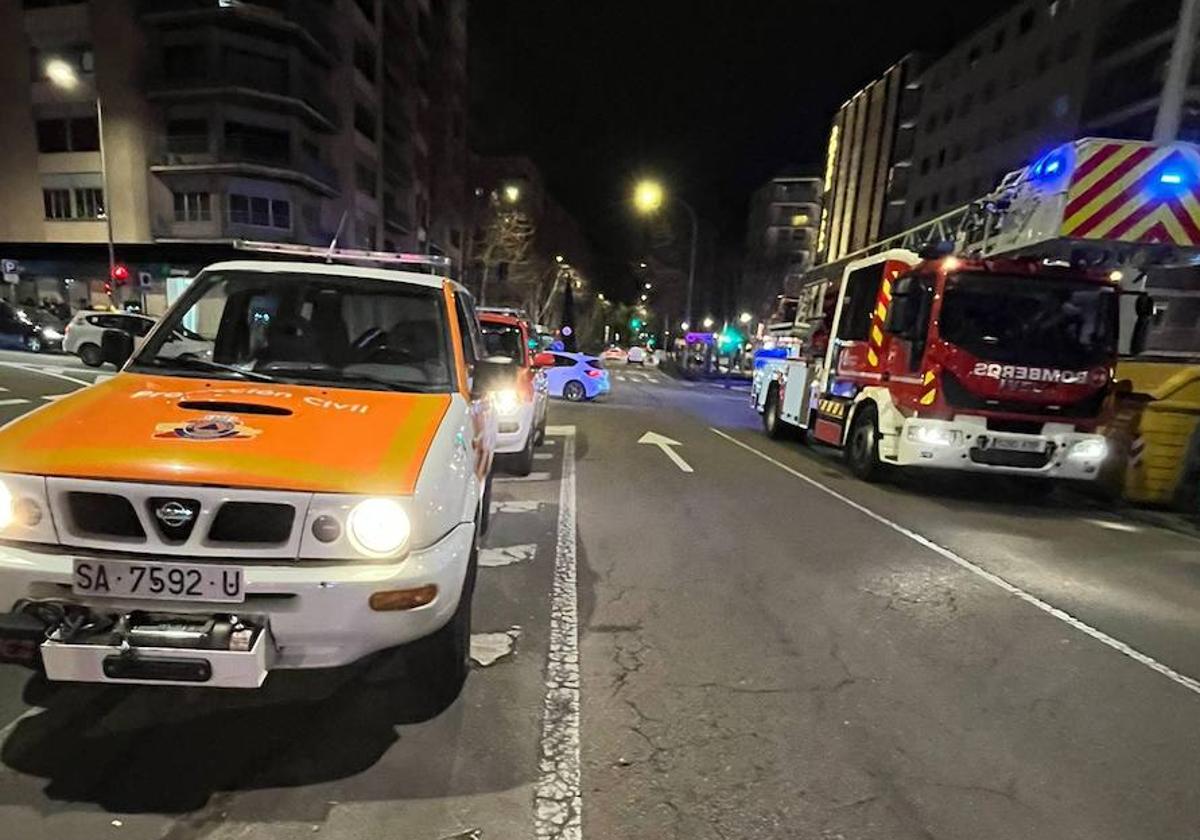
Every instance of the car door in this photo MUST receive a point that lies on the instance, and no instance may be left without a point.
(564, 371)
(482, 416)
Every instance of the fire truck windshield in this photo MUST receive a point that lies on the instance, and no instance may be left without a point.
(1030, 320)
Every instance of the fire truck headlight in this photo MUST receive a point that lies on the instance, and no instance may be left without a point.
(1093, 449)
(934, 435)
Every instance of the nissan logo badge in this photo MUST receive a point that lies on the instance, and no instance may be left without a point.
(173, 514)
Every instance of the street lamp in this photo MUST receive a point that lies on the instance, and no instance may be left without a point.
(644, 297)
(708, 322)
(61, 73)
(684, 326)
(648, 197)
(648, 286)
(511, 193)
(558, 258)
(746, 318)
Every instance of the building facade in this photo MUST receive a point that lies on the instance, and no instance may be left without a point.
(781, 236)
(278, 120)
(868, 162)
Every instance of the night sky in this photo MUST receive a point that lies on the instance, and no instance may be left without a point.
(713, 97)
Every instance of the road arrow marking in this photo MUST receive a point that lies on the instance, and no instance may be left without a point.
(665, 443)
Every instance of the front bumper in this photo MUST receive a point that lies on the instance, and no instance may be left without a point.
(314, 615)
(513, 430)
(966, 443)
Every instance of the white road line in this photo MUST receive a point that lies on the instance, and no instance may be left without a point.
(507, 555)
(558, 798)
(1114, 526)
(516, 506)
(14, 401)
(621, 377)
(45, 372)
(533, 476)
(543, 456)
(1099, 635)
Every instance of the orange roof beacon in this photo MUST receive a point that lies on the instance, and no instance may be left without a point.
(299, 484)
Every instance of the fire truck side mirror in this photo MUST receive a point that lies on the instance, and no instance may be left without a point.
(1141, 328)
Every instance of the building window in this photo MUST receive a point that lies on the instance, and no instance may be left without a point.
(918, 207)
(364, 177)
(57, 203)
(998, 39)
(259, 211)
(79, 134)
(364, 120)
(1069, 47)
(89, 202)
(364, 59)
(1025, 22)
(193, 207)
(934, 203)
(925, 162)
(1043, 61)
(187, 136)
(941, 158)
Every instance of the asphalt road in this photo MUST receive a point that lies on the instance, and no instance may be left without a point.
(766, 648)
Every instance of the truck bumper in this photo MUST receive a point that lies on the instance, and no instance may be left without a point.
(308, 615)
(965, 443)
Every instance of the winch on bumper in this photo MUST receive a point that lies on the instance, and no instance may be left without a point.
(966, 443)
(300, 615)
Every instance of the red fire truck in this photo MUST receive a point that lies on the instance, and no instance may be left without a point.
(1000, 356)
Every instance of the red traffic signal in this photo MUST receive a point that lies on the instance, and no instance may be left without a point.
(119, 274)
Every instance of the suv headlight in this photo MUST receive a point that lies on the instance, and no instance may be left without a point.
(378, 527)
(506, 401)
(25, 510)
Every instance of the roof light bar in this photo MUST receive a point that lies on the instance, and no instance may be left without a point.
(341, 254)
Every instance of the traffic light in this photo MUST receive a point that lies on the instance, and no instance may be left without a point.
(119, 274)
(635, 323)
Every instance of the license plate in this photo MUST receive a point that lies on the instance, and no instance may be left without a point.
(162, 581)
(1019, 444)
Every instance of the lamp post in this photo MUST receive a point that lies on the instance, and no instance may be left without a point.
(61, 73)
(648, 197)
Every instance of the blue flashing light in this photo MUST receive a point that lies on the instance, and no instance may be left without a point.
(844, 389)
(1170, 178)
(1050, 165)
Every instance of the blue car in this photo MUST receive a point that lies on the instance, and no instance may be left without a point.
(576, 376)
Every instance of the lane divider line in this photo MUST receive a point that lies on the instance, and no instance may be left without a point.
(14, 401)
(558, 797)
(543, 456)
(1034, 601)
(533, 476)
(45, 372)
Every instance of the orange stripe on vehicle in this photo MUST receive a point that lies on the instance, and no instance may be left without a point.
(460, 359)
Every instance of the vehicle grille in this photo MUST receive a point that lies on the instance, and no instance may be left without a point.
(1009, 458)
(105, 515)
(252, 522)
(178, 521)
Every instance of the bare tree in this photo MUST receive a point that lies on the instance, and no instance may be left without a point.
(507, 239)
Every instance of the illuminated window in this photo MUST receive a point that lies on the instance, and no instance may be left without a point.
(800, 220)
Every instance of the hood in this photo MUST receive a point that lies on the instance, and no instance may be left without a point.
(232, 434)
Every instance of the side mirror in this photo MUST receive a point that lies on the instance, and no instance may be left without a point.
(543, 360)
(492, 374)
(116, 346)
(1141, 328)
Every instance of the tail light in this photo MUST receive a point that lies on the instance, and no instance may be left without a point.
(595, 374)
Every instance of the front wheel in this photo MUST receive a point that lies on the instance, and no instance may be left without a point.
(574, 391)
(862, 446)
(522, 462)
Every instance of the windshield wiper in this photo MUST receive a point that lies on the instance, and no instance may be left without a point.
(190, 361)
(332, 374)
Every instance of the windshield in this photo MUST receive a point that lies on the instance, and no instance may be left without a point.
(503, 340)
(1030, 320)
(308, 328)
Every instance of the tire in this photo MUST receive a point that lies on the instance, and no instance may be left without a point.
(89, 354)
(521, 463)
(440, 662)
(33, 344)
(574, 391)
(485, 513)
(540, 438)
(773, 424)
(862, 445)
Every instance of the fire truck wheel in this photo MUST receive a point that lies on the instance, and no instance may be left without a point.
(774, 426)
(862, 446)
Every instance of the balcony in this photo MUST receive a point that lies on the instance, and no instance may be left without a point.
(242, 155)
(301, 97)
(304, 20)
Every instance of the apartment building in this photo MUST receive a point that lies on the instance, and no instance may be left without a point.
(279, 120)
(781, 236)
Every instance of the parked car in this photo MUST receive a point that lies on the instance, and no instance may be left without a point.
(576, 376)
(614, 354)
(521, 408)
(21, 330)
(84, 331)
(636, 356)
